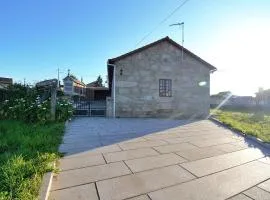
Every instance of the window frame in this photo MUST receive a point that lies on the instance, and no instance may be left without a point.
(165, 87)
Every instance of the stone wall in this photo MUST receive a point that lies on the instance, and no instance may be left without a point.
(137, 89)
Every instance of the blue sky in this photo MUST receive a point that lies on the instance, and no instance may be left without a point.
(37, 37)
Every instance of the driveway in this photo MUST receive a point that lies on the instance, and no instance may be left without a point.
(153, 159)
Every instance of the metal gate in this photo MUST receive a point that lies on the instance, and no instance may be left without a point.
(94, 108)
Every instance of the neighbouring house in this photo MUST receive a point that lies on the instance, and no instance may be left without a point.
(73, 86)
(228, 99)
(5, 82)
(263, 97)
(154, 81)
(95, 91)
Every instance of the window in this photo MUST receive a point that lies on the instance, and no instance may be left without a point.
(165, 87)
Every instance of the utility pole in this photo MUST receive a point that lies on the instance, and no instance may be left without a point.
(181, 25)
(58, 83)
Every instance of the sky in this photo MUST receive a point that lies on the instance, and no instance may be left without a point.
(37, 37)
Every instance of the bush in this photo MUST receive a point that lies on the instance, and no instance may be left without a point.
(31, 110)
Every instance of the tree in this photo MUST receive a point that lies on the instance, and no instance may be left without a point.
(99, 81)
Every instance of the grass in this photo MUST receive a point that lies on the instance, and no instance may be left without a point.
(251, 123)
(26, 153)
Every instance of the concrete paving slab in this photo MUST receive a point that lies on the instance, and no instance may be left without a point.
(89, 174)
(265, 160)
(257, 193)
(141, 183)
(218, 163)
(199, 153)
(98, 150)
(82, 192)
(213, 142)
(240, 197)
(142, 197)
(229, 147)
(129, 154)
(265, 185)
(138, 145)
(81, 161)
(152, 162)
(218, 186)
(190, 138)
(174, 147)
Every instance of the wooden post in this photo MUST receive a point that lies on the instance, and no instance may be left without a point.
(52, 85)
(53, 102)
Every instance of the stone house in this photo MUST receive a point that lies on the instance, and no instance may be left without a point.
(156, 81)
(5, 82)
(73, 86)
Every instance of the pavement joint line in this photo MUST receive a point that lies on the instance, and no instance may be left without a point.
(148, 196)
(261, 183)
(104, 158)
(148, 146)
(248, 196)
(188, 171)
(128, 167)
(157, 151)
(97, 190)
(119, 147)
(226, 168)
(82, 167)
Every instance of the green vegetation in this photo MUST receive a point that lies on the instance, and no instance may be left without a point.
(251, 123)
(27, 151)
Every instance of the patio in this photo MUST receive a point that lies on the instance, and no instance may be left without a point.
(153, 159)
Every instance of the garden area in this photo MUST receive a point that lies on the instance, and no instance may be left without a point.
(29, 139)
(251, 122)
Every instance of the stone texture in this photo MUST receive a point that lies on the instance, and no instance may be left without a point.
(152, 162)
(175, 147)
(229, 147)
(98, 150)
(213, 142)
(83, 192)
(137, 89)
(129, 154)
(265, 160)
(240, 197)
(89, 174)
(137, 145)
(257, 193)
(81, 161)
(199, 153)
(218, 186)
(218, 163)
(140, 183)
(265, 185)
(143, 197)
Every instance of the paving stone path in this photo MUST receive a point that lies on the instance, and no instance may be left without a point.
(152, 159)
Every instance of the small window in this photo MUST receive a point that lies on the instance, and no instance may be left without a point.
(165, 87)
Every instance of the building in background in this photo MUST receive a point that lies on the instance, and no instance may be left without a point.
(73, 86)
(5, 82)
(96, 91)
(154, 81)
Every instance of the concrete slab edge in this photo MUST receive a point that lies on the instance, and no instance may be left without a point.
(257, 140)
(45, 186)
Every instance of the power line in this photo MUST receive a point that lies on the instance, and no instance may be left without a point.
(161, 22)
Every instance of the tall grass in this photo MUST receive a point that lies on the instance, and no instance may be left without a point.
(26, 153)
(255, 124)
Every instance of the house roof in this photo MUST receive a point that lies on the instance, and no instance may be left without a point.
(167, 39)
(4, 80)
(74, 79)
